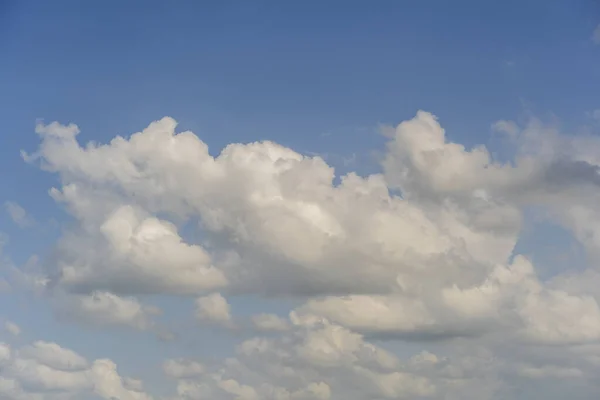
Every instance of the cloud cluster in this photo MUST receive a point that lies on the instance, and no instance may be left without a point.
(320, 360)
(422, 252)
(317, 363)
(44, 370)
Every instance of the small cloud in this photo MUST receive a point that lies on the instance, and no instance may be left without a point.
(510, 63)
(18, 214)
(214, 308)
(12, 328)
(596, 35)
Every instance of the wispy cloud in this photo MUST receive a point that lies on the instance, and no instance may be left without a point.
(12, 328)
(596, 35)
(18, 214)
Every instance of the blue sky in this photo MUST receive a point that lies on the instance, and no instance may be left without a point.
(318, 77)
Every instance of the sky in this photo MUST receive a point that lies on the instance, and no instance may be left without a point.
(342, 200)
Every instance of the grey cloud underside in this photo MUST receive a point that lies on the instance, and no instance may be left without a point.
(433, 266)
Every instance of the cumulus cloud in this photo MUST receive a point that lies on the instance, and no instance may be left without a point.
(45, 370)
(320, 360)
(213, 308)
(287, 227)
(106, 309)
(423, 251)
(54, 356)
(135, 253)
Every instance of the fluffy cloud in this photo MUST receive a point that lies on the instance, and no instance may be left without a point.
(131, 253)
(54, 356)
(281, 224)
(213, 308)
(317, 359)
(424, 251)
(106, 309)
(46, 370)
(322, 362)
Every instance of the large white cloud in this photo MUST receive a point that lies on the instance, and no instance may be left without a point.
(280, 223)
(424, 251)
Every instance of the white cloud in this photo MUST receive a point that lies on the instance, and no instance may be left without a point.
(54, 356)
(319, 360)
(279, 211)
(214, 308)
(130, 254)
(56, 130)
(46, 370)
(18, 214)
(436, 261)
(106, 309)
